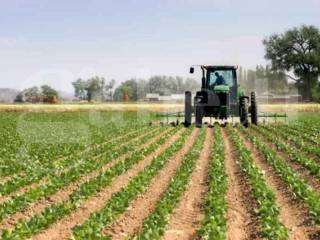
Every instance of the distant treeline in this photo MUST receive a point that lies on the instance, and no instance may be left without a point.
(35, 94)
(262, 80)
(97, 89)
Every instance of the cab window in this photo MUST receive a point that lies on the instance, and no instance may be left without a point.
(221, 77)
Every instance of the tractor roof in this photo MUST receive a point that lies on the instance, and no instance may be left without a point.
(220, 67)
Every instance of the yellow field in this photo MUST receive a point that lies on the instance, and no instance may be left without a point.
(152, 107)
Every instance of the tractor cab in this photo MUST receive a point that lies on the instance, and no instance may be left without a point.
(222, 79)
(220, 97)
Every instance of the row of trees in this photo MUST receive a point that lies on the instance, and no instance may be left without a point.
(136, 89)
(93, 89)
(35, 94)
(96, 88)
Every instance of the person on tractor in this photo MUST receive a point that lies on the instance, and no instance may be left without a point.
(220, 80)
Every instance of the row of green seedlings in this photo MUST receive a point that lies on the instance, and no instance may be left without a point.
(156, 223)
(66, 164)
(299, 186)
(311, 126)
(119, 201)
(95, 148)
(40, 156)
(26, 228)
(304, 146)
(214, 224)
(31, 163)
(56, 182)
(291, 151)
(10, 143)
(307, 135)
(268, 210)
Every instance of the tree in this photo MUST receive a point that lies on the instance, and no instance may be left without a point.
(19, 98)
(127, 91)
(297, 51)
(30, 93)
(95, 88)
(35, 95)
(109, 89)
(48, 91)
(80, 89)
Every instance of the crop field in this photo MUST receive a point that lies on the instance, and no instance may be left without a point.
(108, 175)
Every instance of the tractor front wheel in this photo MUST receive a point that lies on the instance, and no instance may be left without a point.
(254, 109)
(243, 105)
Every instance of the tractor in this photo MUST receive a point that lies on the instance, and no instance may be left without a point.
(220, 98)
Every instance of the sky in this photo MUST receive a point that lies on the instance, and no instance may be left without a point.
(55, 42)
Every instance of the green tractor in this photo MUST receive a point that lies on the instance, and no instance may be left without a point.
(220, 97)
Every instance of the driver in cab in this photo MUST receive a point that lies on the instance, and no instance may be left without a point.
(220, 80)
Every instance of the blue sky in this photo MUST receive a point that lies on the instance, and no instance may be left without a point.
(55, 41)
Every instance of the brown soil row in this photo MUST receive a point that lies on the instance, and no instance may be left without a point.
(63, 194)
(300, 170)
(293, 214)
(63, 228)
(186, 218)
(306, 153)
(4, 179)
(241, 219)
(131, 221)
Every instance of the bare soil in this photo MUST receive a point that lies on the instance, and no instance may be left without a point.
(292, 213)
(131, 221)
(301, 170)
(186, 218)
(63, 228)
(242, 222)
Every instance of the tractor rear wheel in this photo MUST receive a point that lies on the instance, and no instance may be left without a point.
(243, 105)
(254, 109)
(187, 109)
(199, 115)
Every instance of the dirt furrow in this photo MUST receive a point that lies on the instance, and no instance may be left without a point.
(140, 208)
(300, 170)
(185, 219)
(241, 219)
(292, 214)
(63, 194)
(4, 179)
(305, 152)
(63, 228)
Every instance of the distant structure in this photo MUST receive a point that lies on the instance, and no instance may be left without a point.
(43, 99)
(155, 97)
(271, 99)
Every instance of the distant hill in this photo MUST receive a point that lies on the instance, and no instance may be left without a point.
(8, 94)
